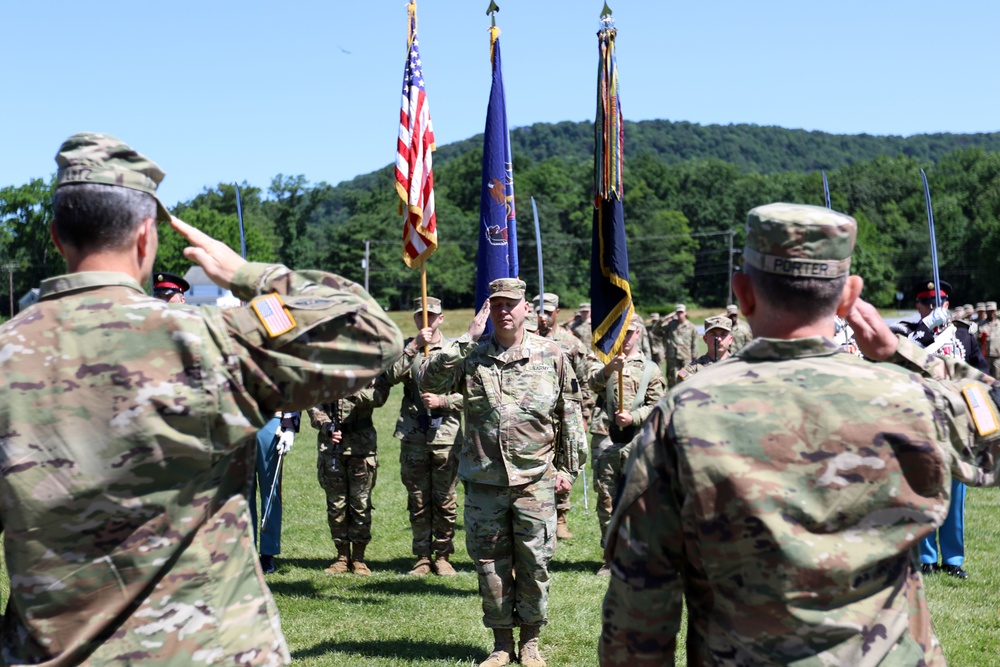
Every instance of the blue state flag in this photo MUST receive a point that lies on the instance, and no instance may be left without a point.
(497, 220)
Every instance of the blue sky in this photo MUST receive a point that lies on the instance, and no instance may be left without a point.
(225, 91)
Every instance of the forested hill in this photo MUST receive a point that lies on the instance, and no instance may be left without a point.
(688, 188)
(765, 149)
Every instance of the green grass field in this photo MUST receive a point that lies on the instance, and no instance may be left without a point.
(393, 620)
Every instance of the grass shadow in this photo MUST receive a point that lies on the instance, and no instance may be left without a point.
(417, 586)
(395, 649)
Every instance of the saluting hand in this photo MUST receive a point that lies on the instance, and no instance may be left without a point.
(219, 261)
(875, 340)
(478, 325)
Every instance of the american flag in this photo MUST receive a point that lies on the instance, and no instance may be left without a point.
(414, 178)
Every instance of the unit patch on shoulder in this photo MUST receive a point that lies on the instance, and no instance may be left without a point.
(983, 415)
(273, 314)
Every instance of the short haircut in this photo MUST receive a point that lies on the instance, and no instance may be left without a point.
(806, 299)
(91, 216)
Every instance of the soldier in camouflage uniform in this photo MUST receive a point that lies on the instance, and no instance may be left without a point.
(657, 350)
(614, 427)
(347, 468)
(577, 355)
(989, 332)
(430, 432)
(680, 341)
(781, 497)
(719, 339)
(581, 328)
(741, 330)
(129, 429)
(523, 429)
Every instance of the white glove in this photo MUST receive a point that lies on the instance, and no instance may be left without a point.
(937, 318)
(285, 441)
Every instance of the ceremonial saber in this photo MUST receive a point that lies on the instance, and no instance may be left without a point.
(541, 272)
(934, 256)
(239, 214)
(270, 496)
(826, 190)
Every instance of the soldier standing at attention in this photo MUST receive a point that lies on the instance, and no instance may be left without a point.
(788, 528)
(430, 432)
(576, 355)
(581, 328)
(933, 331)
(741, 330)
(617, 418)
(347, 467)
(129, 426)
(656, 348)
(990, 331)
(719, 340)
(680, 341)
(523, 429)
(274, 441)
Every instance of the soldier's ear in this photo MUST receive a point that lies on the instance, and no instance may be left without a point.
(851, 293)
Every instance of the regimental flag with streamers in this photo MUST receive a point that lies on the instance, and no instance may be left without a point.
(497, 219)
(610, 294)
(414, 177)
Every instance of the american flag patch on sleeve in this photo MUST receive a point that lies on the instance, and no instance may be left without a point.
(979, 405)
(272, 313)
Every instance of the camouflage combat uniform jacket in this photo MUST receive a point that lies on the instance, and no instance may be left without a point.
(443, 426)
(579, 358)
(583, 332)
(631, 379)
(354, 421)
(680, 341)
(522, 408)
(741, 335)
(783, 496)
(128, 451)
(702, 362)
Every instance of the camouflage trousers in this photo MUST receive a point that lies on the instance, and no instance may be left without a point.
(510, 532)
(606, 462)
(674, 365)
(348, 494)
(430, 474)
(994, 366)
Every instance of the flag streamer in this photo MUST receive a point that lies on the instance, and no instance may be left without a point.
(610, 293)
(414, 148)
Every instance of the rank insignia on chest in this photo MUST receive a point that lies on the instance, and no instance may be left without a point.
(273, 314)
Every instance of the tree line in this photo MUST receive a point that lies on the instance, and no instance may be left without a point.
(679, 213)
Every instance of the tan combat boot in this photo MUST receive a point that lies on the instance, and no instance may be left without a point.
(422, 568)
(443, 567)
(358, 566)
(527, 647)
(562, 528)
(503, 648)
(342, 565)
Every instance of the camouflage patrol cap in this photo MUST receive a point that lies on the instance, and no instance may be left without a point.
(635, 324)
(731, 309)
(531, 321)
(800, 240)
(549, 300)
(89, 157)
(681, 308)
(980, 305)
(433, 305)
(585, 305)
(510, 288)
(991, 306)
(718, 322)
